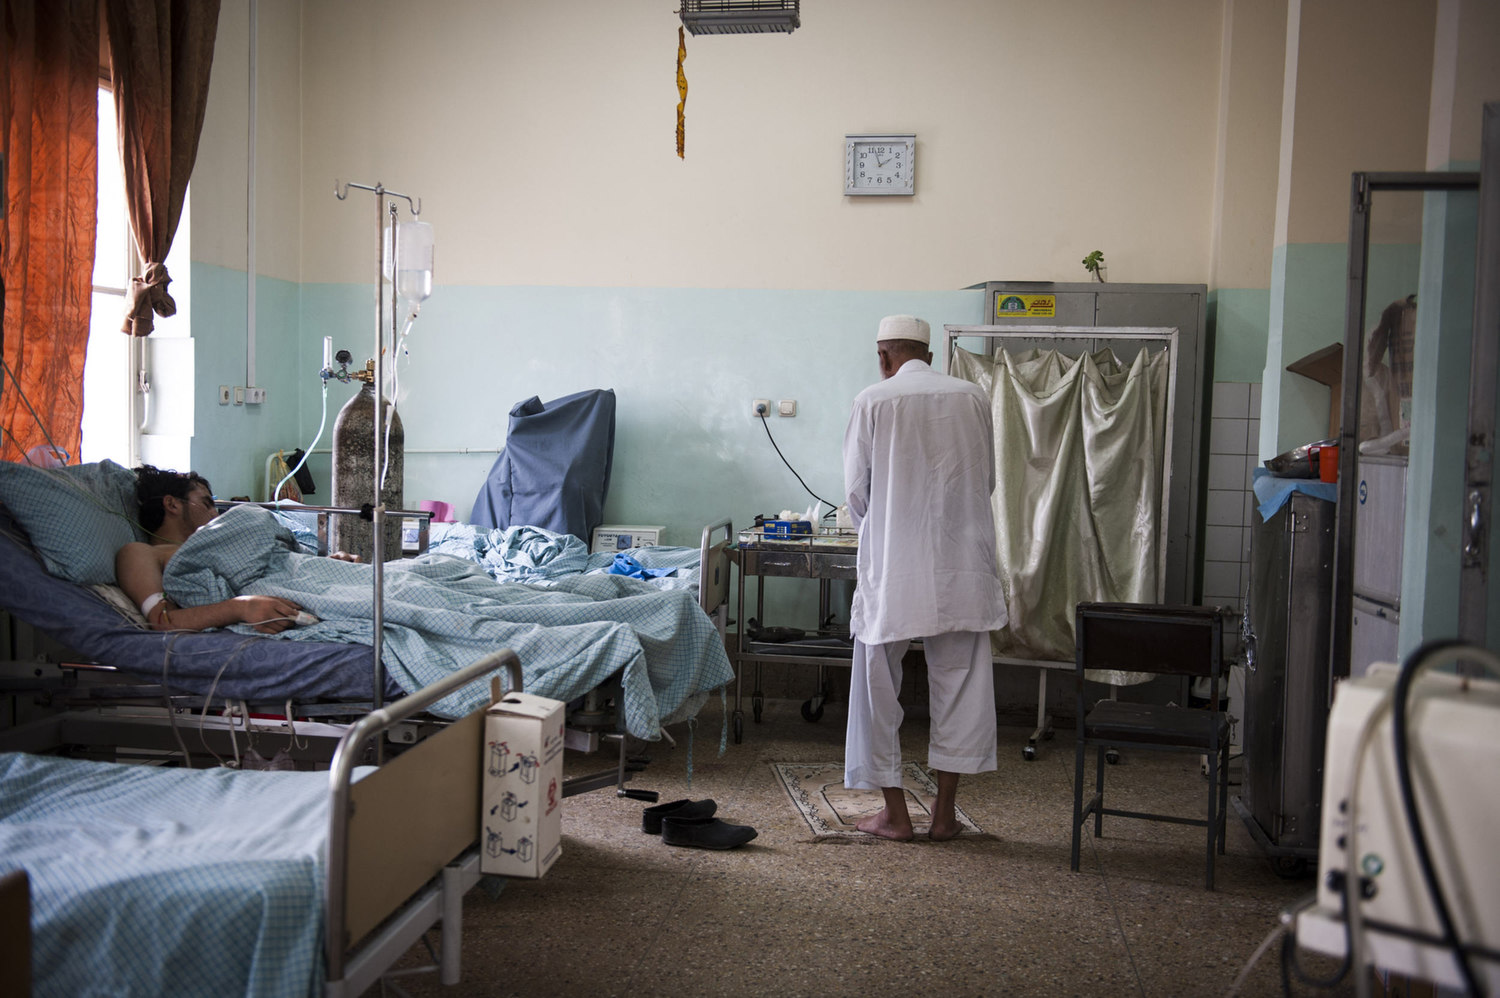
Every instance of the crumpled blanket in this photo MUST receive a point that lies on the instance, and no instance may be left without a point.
(539, 556)
(441, 613)
(521, 554)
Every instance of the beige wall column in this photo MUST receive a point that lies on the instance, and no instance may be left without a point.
(1250, 76)
(1355, 98)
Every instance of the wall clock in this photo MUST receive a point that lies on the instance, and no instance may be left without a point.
(880, 164)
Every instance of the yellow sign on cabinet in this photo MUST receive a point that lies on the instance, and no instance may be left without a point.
(1025, 306)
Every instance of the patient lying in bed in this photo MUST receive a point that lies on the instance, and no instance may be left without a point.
(440, 613)
(173, 505)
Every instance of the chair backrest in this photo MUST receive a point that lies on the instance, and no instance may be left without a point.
(1150, 637)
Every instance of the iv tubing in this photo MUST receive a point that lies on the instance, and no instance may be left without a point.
(322, 421)
(396, 387)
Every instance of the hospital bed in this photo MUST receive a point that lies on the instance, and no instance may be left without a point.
(104, 670)
(151, 880)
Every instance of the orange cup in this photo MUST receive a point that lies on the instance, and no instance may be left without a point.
(1328, 463)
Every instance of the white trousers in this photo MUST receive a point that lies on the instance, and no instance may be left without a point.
(961, 695)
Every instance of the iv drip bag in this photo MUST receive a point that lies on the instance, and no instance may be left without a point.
(414, 257)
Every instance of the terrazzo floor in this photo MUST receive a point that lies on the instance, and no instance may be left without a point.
(999, 913)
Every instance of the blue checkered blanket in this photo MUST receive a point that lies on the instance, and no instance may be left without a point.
(540, 556)
(148, 881)
(441, 613)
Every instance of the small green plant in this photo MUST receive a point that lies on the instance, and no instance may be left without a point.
(1094, 264)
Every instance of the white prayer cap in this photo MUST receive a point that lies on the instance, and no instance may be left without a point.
(904, 327)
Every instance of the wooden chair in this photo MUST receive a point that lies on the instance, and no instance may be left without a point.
(1165, 640)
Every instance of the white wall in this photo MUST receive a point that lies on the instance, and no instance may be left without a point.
(541, 138)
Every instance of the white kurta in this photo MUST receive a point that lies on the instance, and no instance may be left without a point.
(919, 467)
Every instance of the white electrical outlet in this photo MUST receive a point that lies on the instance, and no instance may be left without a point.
(760, 407)
(255, 396)
(223, 394)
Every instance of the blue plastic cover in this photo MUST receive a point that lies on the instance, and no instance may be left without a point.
(554, 470)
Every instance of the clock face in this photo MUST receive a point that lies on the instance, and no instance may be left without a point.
(881, 164)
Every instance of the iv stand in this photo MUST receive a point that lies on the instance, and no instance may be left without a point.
(341, 191)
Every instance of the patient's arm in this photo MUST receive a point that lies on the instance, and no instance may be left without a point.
(138, 569)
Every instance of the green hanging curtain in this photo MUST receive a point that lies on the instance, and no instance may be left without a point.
(1079, 456)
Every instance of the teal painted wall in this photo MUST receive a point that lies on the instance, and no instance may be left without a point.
(1432, 555)
(1309, 282)
(1240, 319)
(684, 364)
(230, 442)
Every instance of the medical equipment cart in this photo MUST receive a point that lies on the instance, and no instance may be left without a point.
(826, 554)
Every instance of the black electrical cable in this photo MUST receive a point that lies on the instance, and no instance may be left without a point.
(1399, 726)
(762, 418)
(1289, 965)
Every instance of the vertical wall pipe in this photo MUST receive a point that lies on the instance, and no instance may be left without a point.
(250, 214)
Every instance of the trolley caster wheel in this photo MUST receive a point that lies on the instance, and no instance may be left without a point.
(810, 713)
(1112, 756)
(1029, 753)
(739, 728)
(1290, 867)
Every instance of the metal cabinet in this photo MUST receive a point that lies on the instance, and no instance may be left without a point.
(1286, 679)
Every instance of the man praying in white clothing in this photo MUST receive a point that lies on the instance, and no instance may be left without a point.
(919, 468)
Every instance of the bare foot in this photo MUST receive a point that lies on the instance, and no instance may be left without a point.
(942, 832)
(881, 825)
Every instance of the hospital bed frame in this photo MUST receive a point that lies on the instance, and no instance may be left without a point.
(403, 840)
(393, 837)
(107, 717)
(1051, 337)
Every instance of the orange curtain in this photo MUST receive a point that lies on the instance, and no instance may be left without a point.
(49, 112)
(161, 51)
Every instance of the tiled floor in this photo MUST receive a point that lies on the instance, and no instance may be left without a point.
(995, 914)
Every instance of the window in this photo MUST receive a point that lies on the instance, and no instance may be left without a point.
(108, 410)
(116, 365)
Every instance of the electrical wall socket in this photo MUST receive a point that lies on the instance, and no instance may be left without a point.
(255, 396)
(760, 407)
(223, 394)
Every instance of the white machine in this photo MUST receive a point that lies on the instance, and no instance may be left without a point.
(619, 537)
(1453, 748)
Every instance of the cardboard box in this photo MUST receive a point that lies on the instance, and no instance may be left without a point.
(619, 537)
(521, 818)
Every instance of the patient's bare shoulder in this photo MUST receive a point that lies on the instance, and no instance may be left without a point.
(139, 567)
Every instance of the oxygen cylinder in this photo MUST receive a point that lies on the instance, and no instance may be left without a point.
(354, 475)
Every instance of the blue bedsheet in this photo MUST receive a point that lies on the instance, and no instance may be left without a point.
(148, 881)
(441, 613)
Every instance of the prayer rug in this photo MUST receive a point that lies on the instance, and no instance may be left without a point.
(817, 790)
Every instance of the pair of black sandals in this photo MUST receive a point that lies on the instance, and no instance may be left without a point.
(692, 823)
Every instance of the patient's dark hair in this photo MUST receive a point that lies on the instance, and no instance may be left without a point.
(151, 484)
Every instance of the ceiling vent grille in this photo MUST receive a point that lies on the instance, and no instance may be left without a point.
(740, 17)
